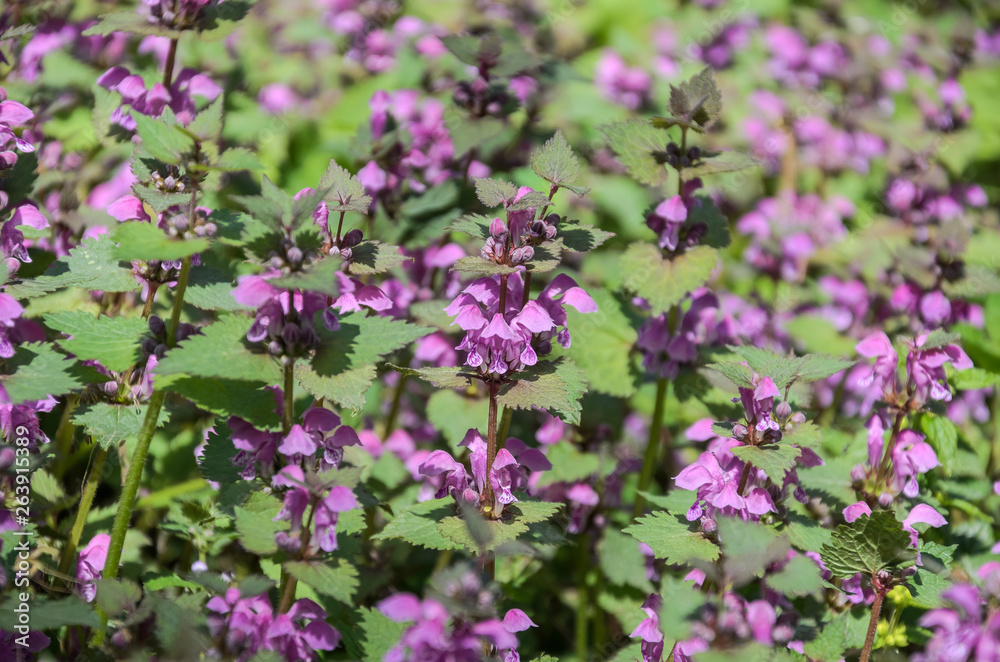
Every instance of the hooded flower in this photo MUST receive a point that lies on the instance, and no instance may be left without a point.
(90, 565)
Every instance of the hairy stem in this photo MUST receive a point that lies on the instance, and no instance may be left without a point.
(866, 652)
(168, 68)
(90, 485)
(65, 431)
(504, 428)
(288, 399)
(397, 398)
(652, 446)
(491, 451)
(138, 460)
(583, 604)
(883, 466)
(744, 477)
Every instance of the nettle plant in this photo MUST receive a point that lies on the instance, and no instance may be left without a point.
(283, 382)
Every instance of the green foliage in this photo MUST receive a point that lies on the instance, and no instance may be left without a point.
(49, 614)
(109, 425)
(569, 464)
(494, 192)
(783, 370)
(339, 582)
(113, 341)
(748, 548)
(380, 634)
(143, 241)
(344, 192)
(867, 545)
(163, 138)
(602, 344)
(664, 282)
(91, 265)
(556, 163)
(640, 148)
(942, 435)
(35, 372)
(621, 560)
(775, 460)
(799, 577)
(673, 539)
(255, 524)
(454, 414)
(553, 385)
(418, 525)
(221, 350)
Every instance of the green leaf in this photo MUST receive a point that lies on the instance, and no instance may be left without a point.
(568, 464)
(621, 560)
(640, 148)
(703, 96)
(117, 597)
(495, 533)
(494, 192)
(114, 341)
(216, 463)
(775, 460)
(553, 385)
(129, 21)
(226, 397)
(91, 265)
(581, 238)
(221, 350)
(161, 138)
(927, 588)
(705, 212)
(161, 581)
(804, 435)
(344, 192)
(346, 388)
(474, 264)
(602, 346)
(680, 606)
(207, 124)
(48, 614)
(144, 241)
(555, 161)
(738, 373)
(454, 414)
(529, 511)
(109, 425)
(444, 377)
(942, 435)
(673, 539)
(380, 634)
(362, 340)
(210, 289)
(476, 226)
(256, 527)
(808, 535)
(46, 488)
(799, 577)
(418, 525)
(748, 548)
(972, 379)
(339, 582)
(372, 257)
(730, 161)
(867, 545)
(317, 277)
(236, 159)
(845, 631)
(37, 371)
(665, 282)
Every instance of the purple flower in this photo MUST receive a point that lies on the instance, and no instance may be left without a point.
(90, 565)
(649, 630)
(758, 403)
(716, 486)
(925, 369)
(299, 633)
(628, 86)
(883, 373)
(911, 456)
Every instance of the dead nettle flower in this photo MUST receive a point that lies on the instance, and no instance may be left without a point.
(176, 14)
(313, 493)
(509, 472)
(925, 361)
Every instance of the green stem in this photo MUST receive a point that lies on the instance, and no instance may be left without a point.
(994, 462)
(65, 431)
(866, 652)
(649, 459)
(168, 68)
(397, 398)
(162, 498)
(883, 467)
(138, 460)
(90, 485)
(504, 430)
(288, 411)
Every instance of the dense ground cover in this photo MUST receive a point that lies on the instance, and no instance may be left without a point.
(527, 329)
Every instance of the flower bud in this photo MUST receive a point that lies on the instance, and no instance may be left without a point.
(156, 325)
(740, 432)
(180, 222)
(149, 345)
(275, 348)
(352, 238)
(522, 255)
(694, 153)
(160, 351)
(184, 331)
(295, 256)
(290, 334)
(497, 229)
(277, 262)
(783, 410)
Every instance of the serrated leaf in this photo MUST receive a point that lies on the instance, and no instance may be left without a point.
(89, 265)
(732, 161)
(372, 257)
(640, 148)
(48, 614)
(673, 539)
(35, 372)
(555, 161)
(346, 388)
(257, 528)
(843, 632)
(162, 139)
(226, 397)
(704, 100)
(553, 385)
(704, 212)
(476, 226)
(465, 536)
(443, 377)
(380, 634)
(804, 435)
(109, 425)
(167, 580)
(738, 373)
(806, 534)
(926, 588)
(494, 192)
(418, 525)
(207, 124)
(665, 282)
(216, 462)
(221, 350)
(129, 21)
(474, 264)
(867, 545)
(144, 241)
(972, 379)
(362, 340)
(345, 191)
(775, 460)
(113, 341)
(581, 238)
(117, 597)
(339, 582)
(210, 289)
(942, 435)
(814, 367)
